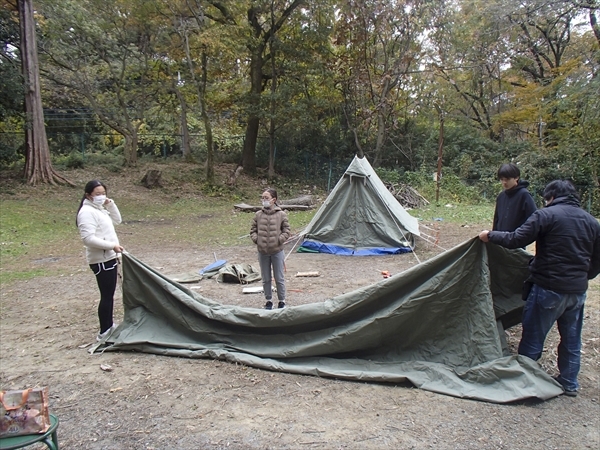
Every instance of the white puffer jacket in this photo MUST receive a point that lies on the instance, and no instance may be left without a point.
(97, 231)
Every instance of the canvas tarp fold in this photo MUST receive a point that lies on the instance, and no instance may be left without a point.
(434, 325)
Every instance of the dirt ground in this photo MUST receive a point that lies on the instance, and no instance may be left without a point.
(158, 402)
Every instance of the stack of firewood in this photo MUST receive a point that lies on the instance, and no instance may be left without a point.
(407, 196)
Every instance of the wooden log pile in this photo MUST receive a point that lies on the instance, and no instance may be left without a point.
(302, 203)
(408, 197)
(307, 200)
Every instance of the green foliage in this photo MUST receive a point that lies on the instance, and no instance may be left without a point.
(75, 160)
(452, 188)
(480, 215)
(387, 175)
(126, 62)
(11, 148)
(13, 90)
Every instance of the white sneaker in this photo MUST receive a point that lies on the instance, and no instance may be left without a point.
(102, 336)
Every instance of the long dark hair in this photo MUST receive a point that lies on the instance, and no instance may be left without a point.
(89, 188)
(273, 194)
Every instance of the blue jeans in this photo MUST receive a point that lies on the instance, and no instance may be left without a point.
(542, 309)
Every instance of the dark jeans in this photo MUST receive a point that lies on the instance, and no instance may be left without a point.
(542, 309)
(106, 276)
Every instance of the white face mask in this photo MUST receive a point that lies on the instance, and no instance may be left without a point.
(99, 199)
(266, 203)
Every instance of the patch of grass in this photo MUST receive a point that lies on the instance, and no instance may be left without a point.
(26, 226)
(480, 214)
(39, 225)
(299, 219)
(39, 222)
(198, 222)
(26, 275)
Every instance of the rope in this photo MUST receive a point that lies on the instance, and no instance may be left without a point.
(397, 225)
(293, 247)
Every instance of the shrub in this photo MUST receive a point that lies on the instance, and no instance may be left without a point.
(452, 188)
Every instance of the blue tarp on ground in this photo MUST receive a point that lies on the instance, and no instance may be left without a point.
(309, 246)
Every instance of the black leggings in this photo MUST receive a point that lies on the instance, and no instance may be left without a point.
(106, 276)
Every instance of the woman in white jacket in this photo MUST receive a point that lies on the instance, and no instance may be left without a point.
(96, 217)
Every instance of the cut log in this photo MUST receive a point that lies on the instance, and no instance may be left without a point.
(252, 290)
(152, 179)
(307, 200)
(308, 274)
(249, 208)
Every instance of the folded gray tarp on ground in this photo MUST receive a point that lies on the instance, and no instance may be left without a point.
(433, 325)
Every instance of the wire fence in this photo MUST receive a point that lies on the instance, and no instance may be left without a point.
(304, 166)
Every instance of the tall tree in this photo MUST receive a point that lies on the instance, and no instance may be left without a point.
(464, 64)
(38, 166)
(102, 51)
(261, 33)
(541, 56)
(379, 45)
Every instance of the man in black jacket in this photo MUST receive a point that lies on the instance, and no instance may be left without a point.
(567, 256)
(514, 204)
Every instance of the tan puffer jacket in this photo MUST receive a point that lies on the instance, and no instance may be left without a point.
(270, 229)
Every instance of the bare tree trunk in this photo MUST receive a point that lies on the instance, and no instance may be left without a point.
(381, 136)
(131, 145)
(38, 166)
(594, 24)
(381, 127)
(260, 38)
(185, 132)
(271, 172)
(185, 135)
(251, 136)
(210, 151)
(359, 150)
(201, 89)
(438, 179)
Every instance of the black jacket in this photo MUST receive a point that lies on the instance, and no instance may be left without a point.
(567, 251)
(513, 207)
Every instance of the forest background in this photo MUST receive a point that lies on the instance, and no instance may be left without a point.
(295, 88)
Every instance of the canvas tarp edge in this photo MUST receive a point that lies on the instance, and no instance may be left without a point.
(520, 385)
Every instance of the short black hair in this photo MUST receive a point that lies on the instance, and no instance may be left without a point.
(560, 188)
(509, 170)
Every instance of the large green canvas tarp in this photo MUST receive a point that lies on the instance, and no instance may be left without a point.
(434, 325)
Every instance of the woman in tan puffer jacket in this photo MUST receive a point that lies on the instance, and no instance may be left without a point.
(270, 230)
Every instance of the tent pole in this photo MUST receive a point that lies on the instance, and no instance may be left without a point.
(293, 247)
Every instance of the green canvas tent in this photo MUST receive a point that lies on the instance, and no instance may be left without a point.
(434, 325)
(360, 217)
